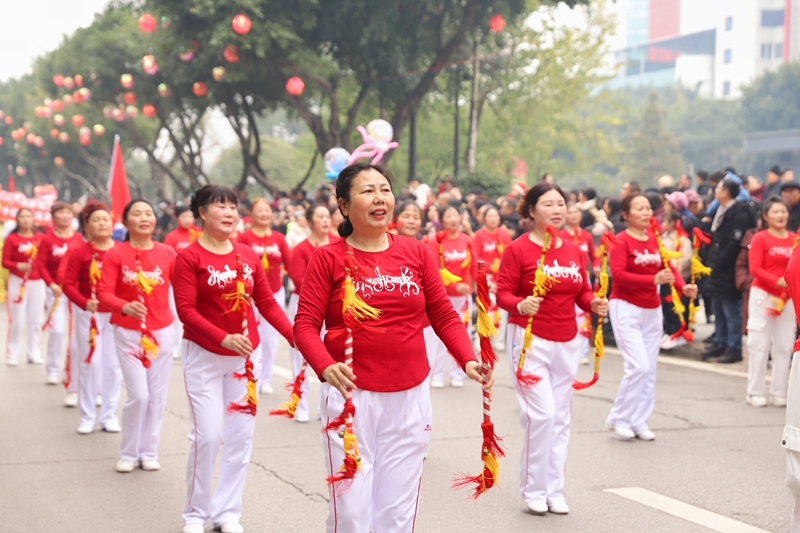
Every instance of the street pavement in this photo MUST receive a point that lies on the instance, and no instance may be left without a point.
(712, 452)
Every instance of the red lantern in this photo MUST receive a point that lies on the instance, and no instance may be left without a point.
(54, 133)
(85, 140)
(58, 161)
(9, 120)
(126, 80)
(164, 90)
(58, 119)
(39, 111)
(129, 98)
(99, 129)
(131, 111)
(69, 83)
(231, 54)
(38, 142)
(15, 135)
(199, 89)
(1, 141)
(57, 106)
(241, 24)
(63, 137)
(29, 138)
(67, 99)
(218, 73)
(78, 80)
(21, 171)
(85, 93)
(58, 80)
(295, 86)
(149, 110)
(147, 23)
(497, 22)
(77, 120)
(149, 64)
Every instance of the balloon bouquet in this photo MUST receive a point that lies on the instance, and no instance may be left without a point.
(377, 137)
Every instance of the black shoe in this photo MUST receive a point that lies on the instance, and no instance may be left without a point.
(715, 350)
(731, 355)
(709, 339)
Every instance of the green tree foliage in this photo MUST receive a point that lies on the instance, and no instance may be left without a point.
(772, 102)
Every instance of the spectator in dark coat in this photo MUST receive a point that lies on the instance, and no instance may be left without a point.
(702, 183)
(790, 192)
(773, 187)
(613, 209)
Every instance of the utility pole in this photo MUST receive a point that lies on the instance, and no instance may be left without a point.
(412, 145)
(455, 121)
(472, 142)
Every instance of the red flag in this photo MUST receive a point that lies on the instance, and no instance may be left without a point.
(11, 186)
(118, 183)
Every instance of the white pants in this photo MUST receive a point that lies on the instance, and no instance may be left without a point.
(269, 341)
(545, 412)
(438, 356)
(57, 329)
(211, 388)
(580, 319)
(297, 362)
(73, 360)
(765, 332)
(638, 332)
(28, 312)
(146, 392)
(177, 324)
(393, 431)
(103, 373)
(791, 439)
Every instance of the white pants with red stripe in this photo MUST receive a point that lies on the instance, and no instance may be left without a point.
(767, 333)
(393, 431)
(177, 324)
(211, 388)
(580, 319)
(103, 373)
(72, 360)
(791, 439)
(638, 333)
(269, 341)
(145, 392)
(29, 312)
(545, 412)
(438, 356)
(57, 327)
(297, 361)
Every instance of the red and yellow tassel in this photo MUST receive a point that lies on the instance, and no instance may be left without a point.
(288, 409)
(447, 276)
(34, 250)
(239, 301)
(677, 305)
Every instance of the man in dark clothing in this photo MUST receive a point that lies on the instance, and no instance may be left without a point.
(790, 192)
(731, 221)
(773, 187)
(702, 183)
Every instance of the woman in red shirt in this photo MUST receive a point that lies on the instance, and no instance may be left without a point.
(135, 286)
(53, 249)
(319, 219)
(25, 300)
(216, 345)
(102, 372)
(545, 408)
(186, 232)
(489, 243)
(386, 384)
(771, 318)
(456, 251)
(271, 249)
(408, 219)
(636, 317)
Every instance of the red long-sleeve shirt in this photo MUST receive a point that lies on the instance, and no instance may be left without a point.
(555, 320)
(201, 280)
(584, 241)
(181, 238)
(768, 257)
(52, 250)
(459, 259)
(117, 286)
(634, 265)
(489, 247)
(792, 277)
(301, 256)
(276, 250)
(76, 275)
(403, 282)
(18, 249)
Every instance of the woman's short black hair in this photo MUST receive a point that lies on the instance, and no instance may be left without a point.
(209, 194)
(181, 209)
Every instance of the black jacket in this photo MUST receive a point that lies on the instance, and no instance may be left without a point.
(794, 218)
(725, 246)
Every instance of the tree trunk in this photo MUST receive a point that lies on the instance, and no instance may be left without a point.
(472, 142)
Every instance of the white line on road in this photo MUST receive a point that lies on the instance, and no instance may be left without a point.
(685, 511)
(696, 365)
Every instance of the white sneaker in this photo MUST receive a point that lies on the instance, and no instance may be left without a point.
(624, 433)
(437, 384)
(12, 362)
(85, 428)
(757, 401)
(645, 434)
(99, 400)
(457, 383)
(194, 528)
(112, 427)
(231, 527)
(559, 508)
(584, 361)
(176, 355)
(266, 389)
(124, 466)
(151, 465)
(71, 399)
(537, 508)
(36, 360)
(301, 418)
(52, 380)
(672, 343)
(778, 401)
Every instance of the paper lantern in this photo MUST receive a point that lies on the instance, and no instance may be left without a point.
(48, 102)
(78, 80)
(16, 135)
(129, 98)
(77, 120)
(58, 119)
(30, 138)
(131, 111)
(99, 129)
(1, 141)
(295, 86)
(3, 114)
(69, 83)
(58, 80)
(149, 110)
(149, 64)
(54, 133)
(164, 90)
(67, 99)
(118, 114)
(9, 120)
(126, 80)
(85, 140)
(63, 137)
(107, 111)
(85, 93)
(21, 171)
(186, 55)
(38, 111)
(147, 23)
(241, 24)
(38, 142)
(218, 73)
(84, 131)
(497, 22)
(199, 89)
(57, 106)
(58, 161)
(231, 54)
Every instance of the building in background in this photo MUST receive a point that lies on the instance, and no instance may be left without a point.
(714, 46)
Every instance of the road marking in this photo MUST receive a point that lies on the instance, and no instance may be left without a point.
(683, 510)
(286, 373)
(696, 365)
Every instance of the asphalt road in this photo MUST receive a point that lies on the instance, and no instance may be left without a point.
(712, 451)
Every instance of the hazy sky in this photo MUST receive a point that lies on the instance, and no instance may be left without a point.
(32, 27)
